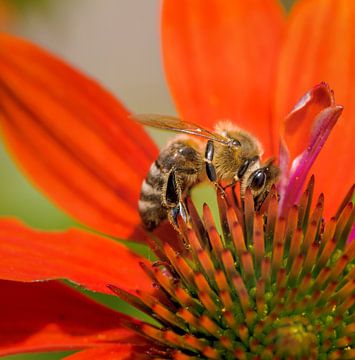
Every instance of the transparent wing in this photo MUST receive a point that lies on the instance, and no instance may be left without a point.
(172, 123)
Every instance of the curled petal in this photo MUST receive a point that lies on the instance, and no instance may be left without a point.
(301, 166)
(297, 126)
(319, 46)
(83, 258)
(220, 58)
(50, 316)
(72, 138)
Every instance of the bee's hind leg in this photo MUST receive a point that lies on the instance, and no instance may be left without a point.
(230, 185)
(179, 209)
(173, 200)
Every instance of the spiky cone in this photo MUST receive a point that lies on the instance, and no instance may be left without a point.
(269, 287)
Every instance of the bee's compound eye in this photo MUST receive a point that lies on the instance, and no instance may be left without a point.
(258, 179)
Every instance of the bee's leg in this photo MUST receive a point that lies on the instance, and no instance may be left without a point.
(230, 185)
(172, 191)
(210, 169)
(173, 199)
(173, 214)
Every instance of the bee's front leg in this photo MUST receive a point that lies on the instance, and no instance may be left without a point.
(210, 169)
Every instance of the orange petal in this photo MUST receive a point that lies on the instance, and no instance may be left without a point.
(219, 59)
(72, 138)
(50, 316)
(83, 258)
(320, 46)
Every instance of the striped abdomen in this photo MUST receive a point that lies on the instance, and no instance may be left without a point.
(150, 205)
(181, 162)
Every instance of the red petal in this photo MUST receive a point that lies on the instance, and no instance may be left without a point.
(73, 138)
(50, 316)
(319, 46)
(83, 258)
(219, 58)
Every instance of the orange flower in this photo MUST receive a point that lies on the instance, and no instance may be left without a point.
(225, 60)
(242, 61)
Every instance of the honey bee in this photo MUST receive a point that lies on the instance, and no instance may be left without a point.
(229, 155)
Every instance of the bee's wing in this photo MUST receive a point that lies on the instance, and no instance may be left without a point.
(175, 124)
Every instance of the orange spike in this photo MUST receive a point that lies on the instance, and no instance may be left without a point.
(322, 278)
(167, 315)
(271, 222)
(258, 238)
(221, 280)
(279, 235)
(248, 215)
(329, 231)
(242, 293)
(207, 217)
(338, 267)
(193, 240)
(226, 299)
(184, 298)
(346, 305)
(295, 247)
(345, 291)
(215, 241)
(328, 250)
(344, 342)
(238, 239)
(304, 285)
(229, 264)
(265, 270)
(295, 270)
(230, 319)
(243, 334)
(152, 332)
(195, 343)
(208, 303)
(188, 317)
(292, 219)
(277, 257)
(211, 353)
(326, 294)
(250, 317)
(174, 338)
(210, 326)
(318, 210)
(202, 284)
(164, 280)
(349, 329)
(309, 237)
(350, 249)
(305, 204)
(346, 215)
(178, 355)
(281, 278)
(206, 263)
(260, 297)
(248, 267)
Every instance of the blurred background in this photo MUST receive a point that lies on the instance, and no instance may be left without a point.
(117, 43)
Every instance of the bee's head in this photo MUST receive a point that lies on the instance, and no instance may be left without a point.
(261, 180)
